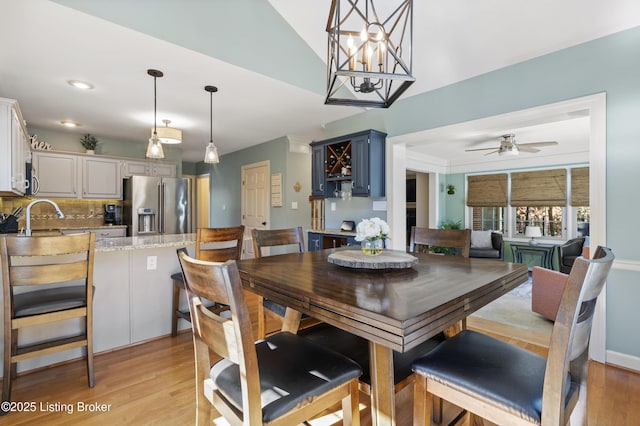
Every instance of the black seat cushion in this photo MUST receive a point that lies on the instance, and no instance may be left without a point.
(292, 370)
(357, 348)
(507, 374)
(49, 300)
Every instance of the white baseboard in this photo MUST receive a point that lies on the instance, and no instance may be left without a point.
(623, 360)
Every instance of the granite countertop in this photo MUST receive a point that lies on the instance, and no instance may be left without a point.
(145, 242)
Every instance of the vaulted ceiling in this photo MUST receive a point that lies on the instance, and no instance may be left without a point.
(266, 58)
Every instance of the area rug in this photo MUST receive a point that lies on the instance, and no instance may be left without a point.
(511, 316)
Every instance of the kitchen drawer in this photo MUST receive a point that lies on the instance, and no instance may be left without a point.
(100, 232)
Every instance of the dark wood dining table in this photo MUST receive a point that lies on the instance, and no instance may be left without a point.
(394, 309)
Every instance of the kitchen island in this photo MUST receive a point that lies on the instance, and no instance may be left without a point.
(132, 300)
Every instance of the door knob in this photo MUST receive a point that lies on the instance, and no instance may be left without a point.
(264, 223)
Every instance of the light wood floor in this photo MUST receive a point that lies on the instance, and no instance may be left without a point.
(153, 384)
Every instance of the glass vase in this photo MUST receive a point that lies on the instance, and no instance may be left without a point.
(372, 247)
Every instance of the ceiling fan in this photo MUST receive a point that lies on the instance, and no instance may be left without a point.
(508, 146)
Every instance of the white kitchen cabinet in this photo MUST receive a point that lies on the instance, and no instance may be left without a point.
(163, 170)
(147, 168)
(57, 174)
(101, 178)
(135, 168)
(14, 148)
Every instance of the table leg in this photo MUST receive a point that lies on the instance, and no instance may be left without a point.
(383, 398)
(291, 320)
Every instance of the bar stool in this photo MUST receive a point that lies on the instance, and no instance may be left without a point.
(213, 245)
(52, 262)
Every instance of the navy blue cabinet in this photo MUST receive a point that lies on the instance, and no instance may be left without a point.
(321, 241)
(358, 159)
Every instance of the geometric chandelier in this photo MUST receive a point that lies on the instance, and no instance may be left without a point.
(369, 55)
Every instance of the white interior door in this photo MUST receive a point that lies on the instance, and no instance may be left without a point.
(255, 201)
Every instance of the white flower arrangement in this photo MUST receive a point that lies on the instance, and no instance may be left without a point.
(372, 229)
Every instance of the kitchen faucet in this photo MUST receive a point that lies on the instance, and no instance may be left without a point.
(42, 200)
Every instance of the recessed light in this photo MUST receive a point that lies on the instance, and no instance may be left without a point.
(69, 123)
(80, 84)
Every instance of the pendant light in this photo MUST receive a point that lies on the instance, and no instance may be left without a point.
(154, 149)
(211, 153)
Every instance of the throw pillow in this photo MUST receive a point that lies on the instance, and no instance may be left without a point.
(481, 239)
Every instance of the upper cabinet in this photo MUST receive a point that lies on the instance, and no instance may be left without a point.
(69, 175)
(57, 174)
(147, 168)
(357, 159)
(101, 178)
(14, 149)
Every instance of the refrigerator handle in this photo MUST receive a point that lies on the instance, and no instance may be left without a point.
(160, 207)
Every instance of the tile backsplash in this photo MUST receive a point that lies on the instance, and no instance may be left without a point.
(77, 213)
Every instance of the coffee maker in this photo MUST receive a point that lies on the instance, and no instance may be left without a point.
(110, 214)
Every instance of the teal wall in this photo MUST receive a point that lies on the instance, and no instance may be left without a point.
(226, 189)
(610, 64)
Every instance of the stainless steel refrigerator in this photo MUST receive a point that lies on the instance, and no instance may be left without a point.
(155, 205)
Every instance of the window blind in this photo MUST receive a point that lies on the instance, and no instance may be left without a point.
(487, 190)
(539, 188)
(580, 186)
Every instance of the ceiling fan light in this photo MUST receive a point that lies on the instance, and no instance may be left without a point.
(508, 151)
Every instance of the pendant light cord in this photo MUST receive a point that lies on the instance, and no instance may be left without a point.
(155, 108)
(211, 117)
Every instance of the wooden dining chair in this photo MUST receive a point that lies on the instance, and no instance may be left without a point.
(46, 280)
(281, 380)
(424, 238)
(278, 241)
(506, 384)
(214, 245)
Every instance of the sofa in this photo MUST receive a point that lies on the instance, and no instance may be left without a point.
(487, 245)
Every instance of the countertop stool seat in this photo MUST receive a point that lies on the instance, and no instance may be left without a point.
(46, 280)
(214, 245)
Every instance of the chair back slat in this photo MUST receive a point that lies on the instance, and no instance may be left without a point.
(568, 350)
(219, 244)
(264, 238)
(26, 275)
(449, 238)
(46, 246)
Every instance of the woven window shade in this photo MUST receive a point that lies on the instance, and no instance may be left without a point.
(540, 188)
(487, 190)
(580, 186)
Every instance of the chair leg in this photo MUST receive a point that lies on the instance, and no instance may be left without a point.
(90, 376)
(351, 406)
(6, 372)
(262, 320)
(176, 304)
(14, 350)
(422, 402)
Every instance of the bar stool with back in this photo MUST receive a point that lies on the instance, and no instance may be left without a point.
(290, 239)
(282, 380)
(61, 270)
(214, 245)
